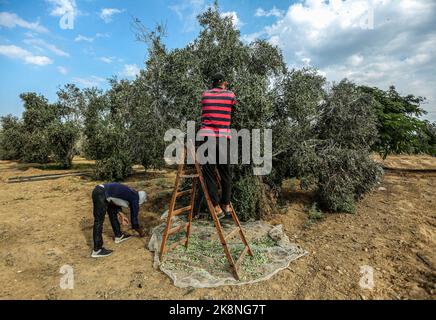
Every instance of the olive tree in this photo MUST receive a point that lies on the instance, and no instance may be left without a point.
(175, 79)
(12, 138)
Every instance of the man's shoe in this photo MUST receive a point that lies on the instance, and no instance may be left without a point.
(123, 237)
(101, 253)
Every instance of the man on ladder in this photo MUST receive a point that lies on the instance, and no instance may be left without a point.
(217, 109)
(217, 105)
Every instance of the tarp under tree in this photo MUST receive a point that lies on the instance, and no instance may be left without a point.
(204, 265)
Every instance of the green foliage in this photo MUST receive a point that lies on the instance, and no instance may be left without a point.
(314, 214)
(37, 116)
(94, 124)
(11, 138)
(62, 138)
(46, 131)
(334, 155)
(431, 133)
(173, 81)
(36, 148)
(107, 119)
(347, 129)
(400, 130)
(115, 167)
(246, 197)
(344, 176)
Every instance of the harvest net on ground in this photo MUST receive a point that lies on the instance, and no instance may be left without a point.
(204, 265)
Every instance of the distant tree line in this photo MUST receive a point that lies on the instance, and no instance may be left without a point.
(323, 133)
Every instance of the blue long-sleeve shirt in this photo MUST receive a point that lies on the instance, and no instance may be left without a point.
(120, 191)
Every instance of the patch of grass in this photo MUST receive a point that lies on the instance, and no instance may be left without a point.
(74, 167)
(162, 183)
(314, 214)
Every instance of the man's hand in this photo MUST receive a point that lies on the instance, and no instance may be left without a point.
(141, 232)
(123, 219)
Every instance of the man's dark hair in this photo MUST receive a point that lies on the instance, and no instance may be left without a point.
(218, 79)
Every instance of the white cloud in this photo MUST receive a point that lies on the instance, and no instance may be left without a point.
(107, 59)
(378, 43)
(107, 13)
(130, 71)
(48, 46)
(274, 12)
(237, 23)
(355, 60)
(15, 52)
(11, 20)
(80, 38)
(62, 70)
(92, 81)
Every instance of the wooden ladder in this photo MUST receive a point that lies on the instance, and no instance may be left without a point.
(197, 176)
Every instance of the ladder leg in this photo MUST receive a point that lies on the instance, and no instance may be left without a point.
(223, 241)
(188, 228)
(241, 233)
(235, 218)
(170, 212)
(217, 223)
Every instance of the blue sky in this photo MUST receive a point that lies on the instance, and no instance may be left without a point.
(375, 42)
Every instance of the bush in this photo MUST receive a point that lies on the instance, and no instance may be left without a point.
(62, 138)
(114, 168)
(37, 148)
(314, 214)
(431, 132)
(336, 159)
(400, 129)
(246, 195)
(344, 176)
(11, 138)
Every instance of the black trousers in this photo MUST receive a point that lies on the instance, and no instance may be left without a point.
(225, 174)
(101, 206)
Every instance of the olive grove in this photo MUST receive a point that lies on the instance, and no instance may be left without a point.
(323, 133)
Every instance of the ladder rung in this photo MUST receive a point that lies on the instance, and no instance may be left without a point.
(178, 228)
(175, 244)
(232, 233)
(241, 258)
(182, 193)
(181, 210)
(189, 176)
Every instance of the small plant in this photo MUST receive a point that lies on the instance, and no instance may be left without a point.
(314, 214)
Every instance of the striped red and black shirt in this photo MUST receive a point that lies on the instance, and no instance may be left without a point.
(217, 106)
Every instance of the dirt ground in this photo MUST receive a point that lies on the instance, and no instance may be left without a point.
(48, 224)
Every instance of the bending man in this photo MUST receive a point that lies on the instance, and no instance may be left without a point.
(110, 198)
